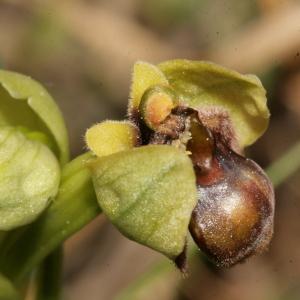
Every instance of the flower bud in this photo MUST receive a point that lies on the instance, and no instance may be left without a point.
(33, 147)
(30, 177)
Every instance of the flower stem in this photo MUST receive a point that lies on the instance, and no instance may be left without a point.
(49, 276)
(285, 166)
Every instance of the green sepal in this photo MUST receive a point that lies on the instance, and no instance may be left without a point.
(201, 84)
(25, 102)
(148, 193)
(30, 176)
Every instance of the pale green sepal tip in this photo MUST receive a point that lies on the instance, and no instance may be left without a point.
(148, 193)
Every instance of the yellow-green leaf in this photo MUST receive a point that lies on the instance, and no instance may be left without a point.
(149, 194)
(25, 102)
(29, 178)
(201, 84)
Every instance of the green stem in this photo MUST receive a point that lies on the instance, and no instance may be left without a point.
(285, 166)
(49, 276)
(74, 207)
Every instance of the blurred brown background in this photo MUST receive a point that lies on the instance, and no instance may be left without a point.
(83, 52)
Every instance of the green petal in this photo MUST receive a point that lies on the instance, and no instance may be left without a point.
(203, 84)
(24, 102)
(144, 76)
(109, 137)
(29, 178)
(149, 194)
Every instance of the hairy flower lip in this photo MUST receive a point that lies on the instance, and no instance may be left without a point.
(236, 193)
